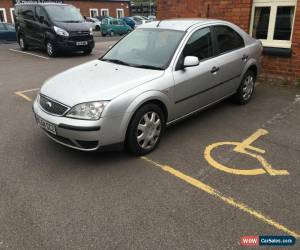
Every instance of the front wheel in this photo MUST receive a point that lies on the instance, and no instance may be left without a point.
(246, 89)
(22, 43)
(50, 49)
(145, 129)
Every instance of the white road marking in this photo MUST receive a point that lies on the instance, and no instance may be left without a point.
(31, 54)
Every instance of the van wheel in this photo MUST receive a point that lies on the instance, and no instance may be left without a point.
(22, 43)
(50, 49)
(145, 129)
(246, 89)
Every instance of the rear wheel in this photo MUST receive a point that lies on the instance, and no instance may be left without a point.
(103, 34)
(22, 43)
(145, 129)
(50, 49)
(246, 89)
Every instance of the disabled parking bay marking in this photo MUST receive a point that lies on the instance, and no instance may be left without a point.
(243, 148)
(227, 199)
(27, 98)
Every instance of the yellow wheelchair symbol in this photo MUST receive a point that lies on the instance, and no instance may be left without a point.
(244, 147)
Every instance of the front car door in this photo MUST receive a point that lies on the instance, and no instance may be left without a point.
(194, 86)
(233, 57)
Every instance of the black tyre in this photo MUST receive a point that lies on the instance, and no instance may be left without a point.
(145, 129)
(50, 49)
(23, 43)
(97, 28)
(246, 89)
(103, 34)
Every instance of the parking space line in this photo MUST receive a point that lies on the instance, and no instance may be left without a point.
(227, 199)
(27, 53)
(21, 94)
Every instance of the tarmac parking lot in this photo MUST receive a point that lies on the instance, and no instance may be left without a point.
(227, 172)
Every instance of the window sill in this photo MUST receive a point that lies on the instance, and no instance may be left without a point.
(279, 52)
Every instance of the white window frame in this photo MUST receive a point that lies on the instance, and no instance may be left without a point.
(120, 9)
(4, 14)
(11, 15)
(273, 4)
(107, 10)
(93, 9)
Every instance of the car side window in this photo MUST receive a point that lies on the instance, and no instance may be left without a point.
(199, 45)
(28, 12)
(39, 12)
(2, 27)
(228, 39)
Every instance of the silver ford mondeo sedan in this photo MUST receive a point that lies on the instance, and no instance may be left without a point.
(157, 75)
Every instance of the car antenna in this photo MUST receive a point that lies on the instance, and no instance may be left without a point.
(158, 23)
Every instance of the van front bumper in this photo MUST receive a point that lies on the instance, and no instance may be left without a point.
(68, 45)
(83, 135)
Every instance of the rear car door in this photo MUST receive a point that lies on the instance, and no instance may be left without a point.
(233, 56)
(194, 85)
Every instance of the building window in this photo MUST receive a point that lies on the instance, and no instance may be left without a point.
(12, 14)
(120, 13)
(272, 22)
(93, 12)
(104, 12)
(3, 15)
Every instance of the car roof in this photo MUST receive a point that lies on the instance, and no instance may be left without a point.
(180, 24)
(42, 4)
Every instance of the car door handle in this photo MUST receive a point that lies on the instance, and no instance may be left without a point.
(245, 57)
(214, 70)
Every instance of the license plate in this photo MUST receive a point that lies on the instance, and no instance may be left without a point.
(46, 125)
(81, 43)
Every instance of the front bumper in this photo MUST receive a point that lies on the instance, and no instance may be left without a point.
(67, 44)
(82, 134)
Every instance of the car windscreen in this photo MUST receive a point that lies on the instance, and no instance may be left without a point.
(64, 13)
(146, 48)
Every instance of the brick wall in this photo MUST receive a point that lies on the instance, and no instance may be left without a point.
(238, 12)
(7, 4)
(85, 7)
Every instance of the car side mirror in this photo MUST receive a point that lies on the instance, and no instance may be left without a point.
(41, 19)
(190, 61)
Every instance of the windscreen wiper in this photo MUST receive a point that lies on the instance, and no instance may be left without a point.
(148, 67)
(117, 61)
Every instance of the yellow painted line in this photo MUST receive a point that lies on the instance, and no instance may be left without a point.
(21, 94)
(31, 54)
(227, 199)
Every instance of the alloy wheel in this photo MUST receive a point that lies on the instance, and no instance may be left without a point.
(149, 130)
(248, 87)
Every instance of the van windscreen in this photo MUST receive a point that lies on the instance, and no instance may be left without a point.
(64, 13)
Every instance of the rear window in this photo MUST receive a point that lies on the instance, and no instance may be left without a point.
(228, 39)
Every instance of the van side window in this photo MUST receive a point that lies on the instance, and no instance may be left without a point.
(228, 39)
(39, 12)
(28, 12)
(199, 45)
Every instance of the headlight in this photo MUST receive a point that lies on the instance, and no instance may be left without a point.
(87, 111)
(60, 31)
(91, 31)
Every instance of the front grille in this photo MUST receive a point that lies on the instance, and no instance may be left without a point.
(80, 36)
(51, 106)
